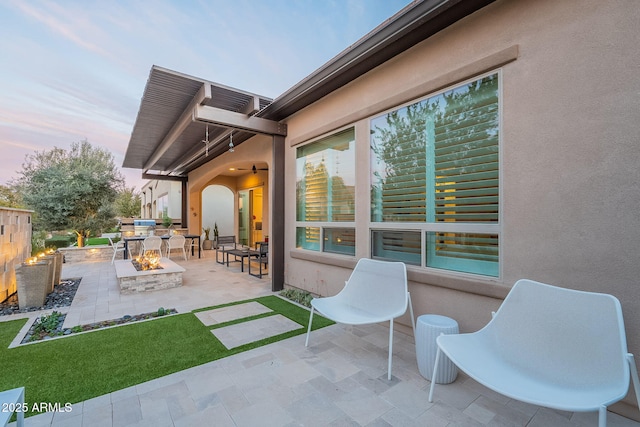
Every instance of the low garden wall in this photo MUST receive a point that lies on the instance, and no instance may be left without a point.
(89, 254)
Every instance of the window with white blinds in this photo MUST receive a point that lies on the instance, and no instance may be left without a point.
(435, 163)
(325, 193)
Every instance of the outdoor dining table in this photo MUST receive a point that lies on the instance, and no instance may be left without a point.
(164, 238)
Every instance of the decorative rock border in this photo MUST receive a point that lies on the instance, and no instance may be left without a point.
(59, 331)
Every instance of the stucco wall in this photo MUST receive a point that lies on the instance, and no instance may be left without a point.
(159, 188)
(15, 246)
(570, 198)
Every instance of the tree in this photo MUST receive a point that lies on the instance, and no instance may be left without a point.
(9, 198)
(128, 203)
(72, 189)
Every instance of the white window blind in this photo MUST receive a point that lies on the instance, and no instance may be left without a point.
(437, 162)
(325, 193)
(326, 179)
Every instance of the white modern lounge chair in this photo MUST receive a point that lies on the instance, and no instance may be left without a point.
(12, 401)
(176, 242)
(117, 247)
(552, 347)
(375, 292)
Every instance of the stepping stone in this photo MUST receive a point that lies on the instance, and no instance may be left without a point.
(233, 312)
(254, 330)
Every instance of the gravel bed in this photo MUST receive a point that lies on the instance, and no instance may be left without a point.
(62, 296)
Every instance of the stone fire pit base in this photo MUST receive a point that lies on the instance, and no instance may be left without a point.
(133, 281)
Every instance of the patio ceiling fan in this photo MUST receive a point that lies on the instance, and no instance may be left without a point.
(254, 169)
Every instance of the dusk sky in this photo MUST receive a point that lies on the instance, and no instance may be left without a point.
(75, 70)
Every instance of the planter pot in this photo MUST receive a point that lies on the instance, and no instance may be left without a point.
(33, 282)
(207, 244)
(52, 271)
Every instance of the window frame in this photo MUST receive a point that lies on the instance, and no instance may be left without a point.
(327, 225)
(426, 227)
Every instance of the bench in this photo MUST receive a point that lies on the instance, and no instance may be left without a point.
(225, 243)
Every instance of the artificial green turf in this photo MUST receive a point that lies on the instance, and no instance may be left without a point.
(96, 241)
(79, 367)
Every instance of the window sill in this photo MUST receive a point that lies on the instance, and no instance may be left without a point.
(450, 280)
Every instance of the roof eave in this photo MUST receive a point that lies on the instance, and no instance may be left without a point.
(413, 24)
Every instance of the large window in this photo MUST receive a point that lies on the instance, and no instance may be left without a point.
(435, 180)
(325, 194)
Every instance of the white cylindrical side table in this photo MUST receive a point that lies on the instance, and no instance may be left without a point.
(429, 327)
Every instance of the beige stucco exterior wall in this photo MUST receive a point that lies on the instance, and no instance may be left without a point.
(15, 246)
(570, 193)
(159, 188)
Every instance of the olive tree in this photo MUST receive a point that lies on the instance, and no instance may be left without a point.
(128, 203)
(71, 189)
(9, 198)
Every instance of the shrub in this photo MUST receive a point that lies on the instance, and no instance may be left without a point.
(57, 242)
(38, 242)
(296, 295)
(47, 324)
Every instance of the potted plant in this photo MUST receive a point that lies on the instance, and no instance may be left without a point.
(207, 243)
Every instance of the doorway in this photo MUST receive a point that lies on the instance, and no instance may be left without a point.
(217, 209)
(250, 216)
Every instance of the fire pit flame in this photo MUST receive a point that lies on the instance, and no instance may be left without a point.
(147, 261)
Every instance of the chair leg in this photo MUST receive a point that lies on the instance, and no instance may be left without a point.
(413, 319)
(435, 372)
(634, 376)
(602, 416)
(306, 343)
(390, 348)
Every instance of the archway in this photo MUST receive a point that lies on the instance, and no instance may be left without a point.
(217, 208)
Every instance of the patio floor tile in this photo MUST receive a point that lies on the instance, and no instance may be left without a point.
(339, 380)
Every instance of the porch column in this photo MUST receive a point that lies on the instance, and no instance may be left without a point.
(276, 234)
(184, 217)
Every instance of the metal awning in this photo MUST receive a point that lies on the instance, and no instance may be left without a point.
(177, 112)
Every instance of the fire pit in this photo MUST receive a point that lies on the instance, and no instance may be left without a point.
(160, 273)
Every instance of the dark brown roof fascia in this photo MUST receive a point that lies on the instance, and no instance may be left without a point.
(413, 24)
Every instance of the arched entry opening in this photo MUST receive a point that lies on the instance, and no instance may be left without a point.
(217, 208)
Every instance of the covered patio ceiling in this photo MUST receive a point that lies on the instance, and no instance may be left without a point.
(176, 114)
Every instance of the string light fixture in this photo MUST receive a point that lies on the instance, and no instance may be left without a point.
(231, 147)
(206, 142)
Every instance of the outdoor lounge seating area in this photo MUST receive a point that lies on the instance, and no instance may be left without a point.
(340, 378)
(228, 251)
(438, 162)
